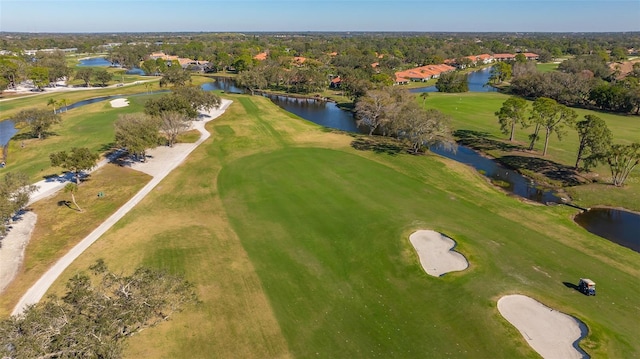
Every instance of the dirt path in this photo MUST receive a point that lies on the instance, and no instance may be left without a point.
(163, 166)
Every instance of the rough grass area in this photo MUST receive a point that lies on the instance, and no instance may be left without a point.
(60, 226)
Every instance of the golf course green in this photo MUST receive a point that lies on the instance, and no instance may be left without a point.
(298, 245)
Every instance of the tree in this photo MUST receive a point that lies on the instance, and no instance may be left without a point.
(99, 311)
(500, 72)
(15, 191)
(39, 76)
(452, 82)
(52, 102)
(175, 76)
(173, 124)
(103, 77)
(423, 128)
(187, 100)
(520, 58)
(252, 79)
(374, 109)
(547, 114)
(622, 159)
(136, 133)
(78, 160)
(85, 74)
(39, 120)
(594, 138)
(510, 114)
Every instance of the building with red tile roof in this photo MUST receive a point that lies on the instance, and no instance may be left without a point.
(424, 73)
(261, 56)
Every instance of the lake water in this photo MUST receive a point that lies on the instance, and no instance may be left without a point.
(7, 130)
(94, 61)
(477, 81)
(619, 226)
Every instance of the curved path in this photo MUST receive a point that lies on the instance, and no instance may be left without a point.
(37, 291)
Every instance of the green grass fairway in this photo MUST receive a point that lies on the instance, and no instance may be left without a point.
(547, 66)
(327, 232)
(87, 126)
(298, 247)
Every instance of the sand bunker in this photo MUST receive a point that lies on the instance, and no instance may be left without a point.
(551, 333)
(119, 102)
(436, 254)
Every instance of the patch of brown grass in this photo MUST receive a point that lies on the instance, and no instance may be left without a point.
(61, 226)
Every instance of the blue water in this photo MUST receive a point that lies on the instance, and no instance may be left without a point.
(135, 71)
(7, 130)
(95, 61)
(477, 82)
(618, 226)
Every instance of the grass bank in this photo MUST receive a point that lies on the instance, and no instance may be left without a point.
(473, 115)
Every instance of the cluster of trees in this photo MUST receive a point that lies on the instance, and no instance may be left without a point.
(163, 120)
(585, 81)
(87, 74)
(394, 112)
(595, 141)
(15, 191)
(99, 311)
(38, 120)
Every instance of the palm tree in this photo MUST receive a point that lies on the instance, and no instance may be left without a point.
(53, 102)
(424, 96)
(63, 103)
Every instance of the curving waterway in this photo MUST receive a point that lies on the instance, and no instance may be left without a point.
(619, 226)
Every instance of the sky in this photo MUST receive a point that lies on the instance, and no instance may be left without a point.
(319, 15)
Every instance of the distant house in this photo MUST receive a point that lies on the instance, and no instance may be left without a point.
(261, 56)
(504, 57)
(335, 82)
(401, 80)
(299, 60)
(423, 73)
(511, 57)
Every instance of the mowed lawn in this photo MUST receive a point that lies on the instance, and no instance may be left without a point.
(474, 113)
(298, 246)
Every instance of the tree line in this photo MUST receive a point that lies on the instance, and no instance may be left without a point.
(584, 81)
(595, 140)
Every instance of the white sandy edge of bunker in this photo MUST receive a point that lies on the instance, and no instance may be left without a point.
(551, 333)
(13, 247)
(119, 102)
(436, 253)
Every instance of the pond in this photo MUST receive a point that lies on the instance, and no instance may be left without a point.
(477, 81)
(7, 130)
(619, 226)
(94, 61)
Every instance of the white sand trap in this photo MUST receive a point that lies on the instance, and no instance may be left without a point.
(119, 102)
(13, 246)
(551, 333)
(436, 254)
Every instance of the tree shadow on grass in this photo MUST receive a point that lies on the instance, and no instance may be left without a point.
(377, 145)
(482, 141)
(549, 169)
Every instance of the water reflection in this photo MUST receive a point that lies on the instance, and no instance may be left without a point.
(94, 61)
(619, 226)
(504, 177)
(477, 81)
